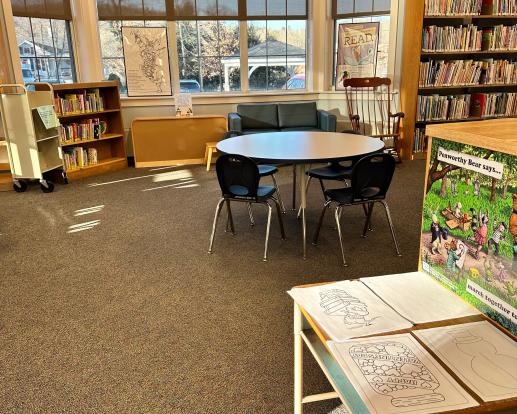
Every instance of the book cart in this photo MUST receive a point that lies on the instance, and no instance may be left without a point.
(477, 161)
(33, 150)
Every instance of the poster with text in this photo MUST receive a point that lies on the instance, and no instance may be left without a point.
(469, 231)
(146, 58)
(357, 51)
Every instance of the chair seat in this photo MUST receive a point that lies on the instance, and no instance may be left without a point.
(263, 191)
(340, 195)
(265, 170)
(331, 172)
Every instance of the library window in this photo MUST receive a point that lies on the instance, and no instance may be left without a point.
(276, 54)
(110, 32)
(208, 55)
(366, 11)
(45, 50)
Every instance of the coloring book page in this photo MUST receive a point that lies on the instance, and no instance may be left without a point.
(348, 309)
(395, 374)
(419, 298)
(482, 356)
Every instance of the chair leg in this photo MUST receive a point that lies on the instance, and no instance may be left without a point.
(320, 223)
(278, 193)
(323, 189)
(337, 215)
(280, 219)
(388, 215)
(368, 218)
(306, 192)
(250, 213)
(209, 158)
(267, 231)
(230, 217)
(214, 225)
(294, 186)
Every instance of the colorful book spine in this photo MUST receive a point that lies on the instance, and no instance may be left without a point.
(87, 129)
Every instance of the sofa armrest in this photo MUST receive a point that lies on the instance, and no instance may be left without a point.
(326, 121)
(234, 122)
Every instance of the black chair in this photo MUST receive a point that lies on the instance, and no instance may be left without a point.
(239, 181)
(371, 178)
(264, 171)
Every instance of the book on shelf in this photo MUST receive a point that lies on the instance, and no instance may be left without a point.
(499, 37)
(419, 140)
(499, 7)
(449, 38)
(88, 101)
(452, 7)
(87, 129)
(78, 157)
(467, 72)
(457, 107)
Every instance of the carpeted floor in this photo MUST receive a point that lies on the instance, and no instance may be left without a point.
(109, 302)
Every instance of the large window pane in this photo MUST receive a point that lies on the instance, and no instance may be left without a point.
(45, 50)
(186, 38)
(111, 38)
(114, 69)
(189, 74)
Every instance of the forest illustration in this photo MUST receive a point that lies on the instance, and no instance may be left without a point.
(470, 224)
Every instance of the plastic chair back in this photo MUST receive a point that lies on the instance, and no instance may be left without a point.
(371, 176)
(238, 176)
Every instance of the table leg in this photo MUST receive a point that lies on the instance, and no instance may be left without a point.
(298, 360)
(300, 172)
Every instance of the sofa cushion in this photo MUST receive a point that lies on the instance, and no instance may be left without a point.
(255, 116)
(297, 114)
(258, 131)
(300, 129)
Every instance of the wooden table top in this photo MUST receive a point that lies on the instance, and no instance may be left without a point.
(494, 134)
(300, 147)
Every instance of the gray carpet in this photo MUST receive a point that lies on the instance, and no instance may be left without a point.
(119, 309)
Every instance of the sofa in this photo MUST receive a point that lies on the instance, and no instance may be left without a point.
(276, 117)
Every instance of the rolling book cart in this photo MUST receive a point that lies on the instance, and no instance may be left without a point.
(33, 150)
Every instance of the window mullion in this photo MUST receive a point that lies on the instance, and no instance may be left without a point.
(173, 57)
(243, 39)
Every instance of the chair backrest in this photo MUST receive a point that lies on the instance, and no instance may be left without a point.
(371, 176)
(369, 105)
(238, 176)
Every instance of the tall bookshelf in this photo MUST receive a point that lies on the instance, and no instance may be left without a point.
(415, 20)
(109, 144)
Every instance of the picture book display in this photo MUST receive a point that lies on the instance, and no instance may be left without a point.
(469, 231)
(348, 309)
(395, 374)
(419, 298)
(482, 356)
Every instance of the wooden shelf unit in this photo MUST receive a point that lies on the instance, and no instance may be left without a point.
(414, 22)
(111, 148)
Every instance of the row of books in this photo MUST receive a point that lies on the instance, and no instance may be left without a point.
(467, 72)
(499, 7)
(500, 38)
(452, 7)
(78, 157)
(88, 101)
(85, 130)
(448, 38)
(419, 140)
(450, 107)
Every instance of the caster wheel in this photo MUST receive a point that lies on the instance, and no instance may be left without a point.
(47, 189)
(20, 186)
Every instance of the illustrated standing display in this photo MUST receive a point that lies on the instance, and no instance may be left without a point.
(357, 51)
(146, 59)
(471, 198)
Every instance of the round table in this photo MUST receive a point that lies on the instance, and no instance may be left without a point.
(300, 148)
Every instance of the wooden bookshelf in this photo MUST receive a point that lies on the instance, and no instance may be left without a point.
(414, 22)
(110, 146)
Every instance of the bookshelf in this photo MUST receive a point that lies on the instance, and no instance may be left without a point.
(479, 99)
(91, 120)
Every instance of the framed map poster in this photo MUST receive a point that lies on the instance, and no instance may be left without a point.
(146, 57)
(356, 51)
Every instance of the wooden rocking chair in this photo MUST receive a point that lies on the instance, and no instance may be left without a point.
(369, 111)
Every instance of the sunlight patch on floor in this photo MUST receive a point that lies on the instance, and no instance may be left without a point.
(88, 210)
(83, 226)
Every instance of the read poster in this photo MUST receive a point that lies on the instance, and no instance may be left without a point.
(469, 233)
(357, 51)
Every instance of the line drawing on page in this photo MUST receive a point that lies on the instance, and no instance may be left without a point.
(392, 369)
(486, 362)
(338, 302)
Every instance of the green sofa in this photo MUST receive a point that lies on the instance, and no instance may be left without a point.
(276, 117)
